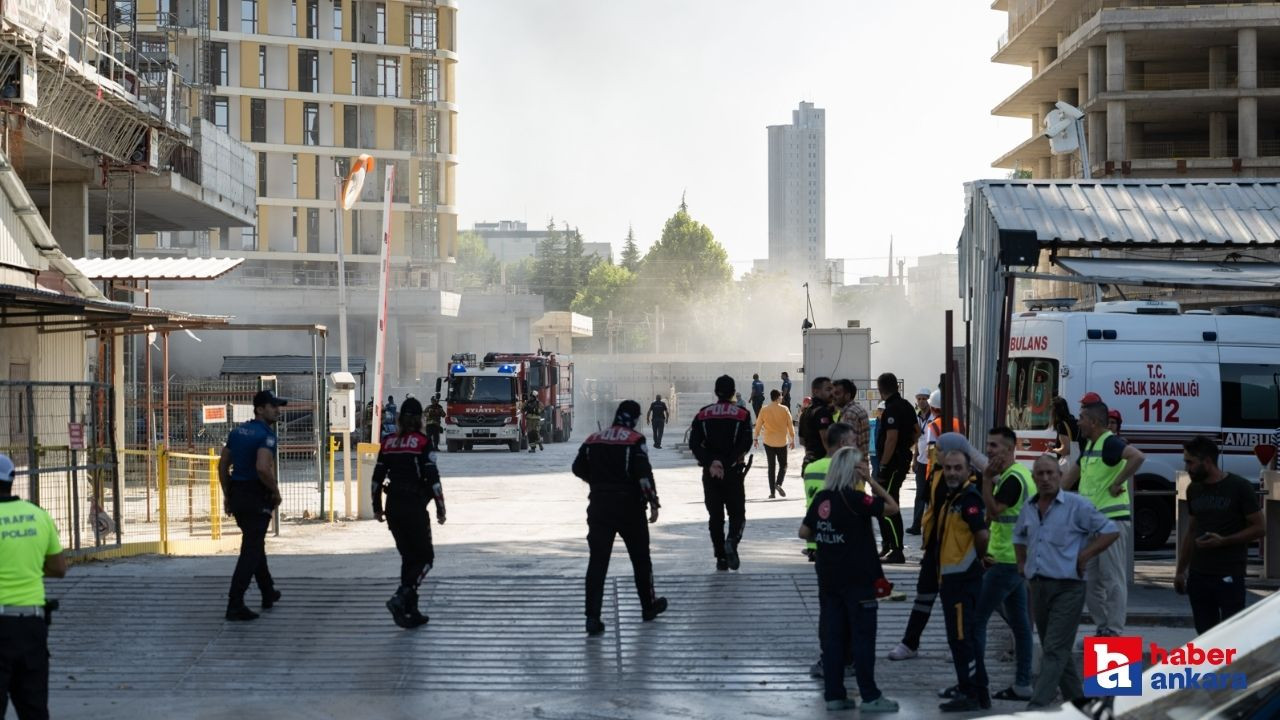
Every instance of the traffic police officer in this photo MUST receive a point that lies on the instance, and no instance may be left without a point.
(407, 468)
(615, 464)
(247, 470)
(720, 438)
(29, 552)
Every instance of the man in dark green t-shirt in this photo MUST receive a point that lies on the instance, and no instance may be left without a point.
(1225, 520)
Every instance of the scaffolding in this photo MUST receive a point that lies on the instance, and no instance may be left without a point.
(424, 67)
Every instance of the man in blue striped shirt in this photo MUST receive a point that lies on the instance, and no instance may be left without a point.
(1052, 546)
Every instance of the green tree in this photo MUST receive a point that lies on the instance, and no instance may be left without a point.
(548, 275)
(631, 256)
(686, 262)
(606, 289)
(477, 267)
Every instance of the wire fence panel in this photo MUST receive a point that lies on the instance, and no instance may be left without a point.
(201, 413)
(61, 440)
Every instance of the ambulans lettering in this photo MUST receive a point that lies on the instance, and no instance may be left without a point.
(1246, 440)
(1038, 343)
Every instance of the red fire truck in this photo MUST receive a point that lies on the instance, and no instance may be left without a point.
(484, 399)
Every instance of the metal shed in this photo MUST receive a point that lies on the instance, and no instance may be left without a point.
(1009, 222)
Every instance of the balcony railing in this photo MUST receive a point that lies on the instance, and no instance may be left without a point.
(1192, 149)
(1196, 80)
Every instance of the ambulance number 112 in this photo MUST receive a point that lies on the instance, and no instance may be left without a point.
(1164, 410)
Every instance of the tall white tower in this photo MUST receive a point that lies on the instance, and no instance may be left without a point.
(798, 195)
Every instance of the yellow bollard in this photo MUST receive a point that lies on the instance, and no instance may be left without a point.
(215, 487)
(333, 451)
(162, 490)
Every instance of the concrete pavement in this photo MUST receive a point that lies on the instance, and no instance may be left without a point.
(144, 638)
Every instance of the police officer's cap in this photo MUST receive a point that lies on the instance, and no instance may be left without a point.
(411, 407)
(266, 397)
(725, 386)
(6, 469)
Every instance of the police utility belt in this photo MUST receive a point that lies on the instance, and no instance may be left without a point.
(22, 610)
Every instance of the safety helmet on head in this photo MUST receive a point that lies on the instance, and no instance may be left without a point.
(935, 399)
(411, 406)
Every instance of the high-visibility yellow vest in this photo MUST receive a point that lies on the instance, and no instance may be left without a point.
(815, 479)
(1001, 545)
(1097, 477)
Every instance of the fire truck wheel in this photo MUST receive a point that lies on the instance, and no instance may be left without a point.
(453, 445)
(524, 442)
(514, 446)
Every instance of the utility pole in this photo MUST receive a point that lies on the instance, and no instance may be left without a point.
(339, 242)
(657, 330)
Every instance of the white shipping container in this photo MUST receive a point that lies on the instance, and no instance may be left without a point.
(837, 353)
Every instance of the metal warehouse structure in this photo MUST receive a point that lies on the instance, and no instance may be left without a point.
(1009, 222)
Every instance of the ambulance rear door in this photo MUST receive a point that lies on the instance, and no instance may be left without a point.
(1037, 347)
(1250, 372)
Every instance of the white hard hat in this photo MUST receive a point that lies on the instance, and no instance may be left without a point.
(923, 392)
(935, 399)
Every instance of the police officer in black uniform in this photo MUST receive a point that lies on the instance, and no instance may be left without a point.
(896, 433)
(720, 439)
(247, 471)
(407, 466)
(657, 419)
(615, 464)
(815, 421)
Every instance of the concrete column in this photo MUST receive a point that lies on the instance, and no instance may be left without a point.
(1117, 148)
(1082, 89)
(1096, 135)
(1217, 67)
(1097, 71)
(1044, 168)
(1116, 65)
(1046, 56)
(1045, 109)
(69, 219)
(1066, 163)
(1247, 127)
(1247, 60)
(1035, 68)
(1217, 134)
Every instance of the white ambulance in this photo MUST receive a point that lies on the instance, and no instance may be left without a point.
(1172, 375)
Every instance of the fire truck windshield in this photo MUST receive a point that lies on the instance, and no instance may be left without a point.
(482, 389)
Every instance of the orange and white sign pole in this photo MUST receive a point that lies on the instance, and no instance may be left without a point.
(384, 270)
(348, 195)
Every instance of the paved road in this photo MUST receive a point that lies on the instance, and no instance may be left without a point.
(144, 638)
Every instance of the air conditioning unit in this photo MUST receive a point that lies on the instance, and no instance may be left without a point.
(145, 153)
(1139, 307)
(19, 87)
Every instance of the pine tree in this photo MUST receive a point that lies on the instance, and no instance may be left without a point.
(631, 252)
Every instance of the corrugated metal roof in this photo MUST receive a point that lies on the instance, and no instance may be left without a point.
(1086, 212)
(156, 268)
(1176, 273)
(287, 365)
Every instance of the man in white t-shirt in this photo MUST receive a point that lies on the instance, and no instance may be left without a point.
(923, 415)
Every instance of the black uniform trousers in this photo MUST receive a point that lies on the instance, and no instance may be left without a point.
(658, 427)
(926, 593)
(410, 525)
(960, 603)
(892, 477)
(607, 517)
(24, 667)
(724, 496)
(252, 511)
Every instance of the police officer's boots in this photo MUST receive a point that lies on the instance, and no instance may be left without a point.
(594, 626)
(404, 608)
(655, 609)
(237, 611)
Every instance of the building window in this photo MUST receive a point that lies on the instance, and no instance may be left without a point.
(257, 120)
(310, 123)
(262, 174)
(313, 230)
(313, 19)
(350, 126)
(293, 17)
(249, 238)
(221, 63)
(355, 67)
(309, 70)
(404, 129)
(388, 76)
(262, 66)
(380, 24)
(222, 14)
(316, 174)
(422, 28)
(337, 20)
(400, 189)
(295, 229)
(294, 165)
(221, 114)
(249, 16)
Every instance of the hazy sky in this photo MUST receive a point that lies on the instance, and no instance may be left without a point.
(601, 112)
